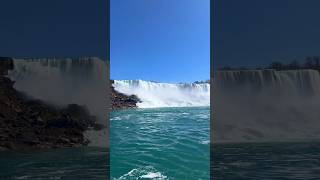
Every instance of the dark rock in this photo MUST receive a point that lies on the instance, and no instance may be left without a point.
(6, 64)
(122, 101)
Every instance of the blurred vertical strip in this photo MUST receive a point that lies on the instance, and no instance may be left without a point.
(108, 84)
(211, 89)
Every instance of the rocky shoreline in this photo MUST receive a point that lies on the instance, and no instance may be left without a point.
(122, 101)
(27, 124)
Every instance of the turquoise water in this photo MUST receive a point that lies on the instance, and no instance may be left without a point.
(276, 161)
(160, 143)
(62, 164)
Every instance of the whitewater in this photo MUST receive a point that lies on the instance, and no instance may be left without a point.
(155, 94)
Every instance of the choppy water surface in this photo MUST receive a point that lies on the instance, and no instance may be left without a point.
(160, 143)
(62, 164)
(276, 161)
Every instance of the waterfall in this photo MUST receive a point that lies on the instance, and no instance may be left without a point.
(153, 94)
(63, 81)
(266, 105)
(290, 81)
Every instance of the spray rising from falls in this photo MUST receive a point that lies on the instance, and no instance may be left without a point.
(154, 94)
(266, 105)
(66, 81)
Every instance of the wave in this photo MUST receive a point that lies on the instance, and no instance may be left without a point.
(153, 94)
(63, 81)
(147, 172)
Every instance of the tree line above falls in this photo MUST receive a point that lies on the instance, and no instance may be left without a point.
(308, 63)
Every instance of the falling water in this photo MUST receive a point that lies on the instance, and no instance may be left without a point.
(154, 94)
(266, 105)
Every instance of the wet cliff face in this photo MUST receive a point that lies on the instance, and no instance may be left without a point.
(266, 105)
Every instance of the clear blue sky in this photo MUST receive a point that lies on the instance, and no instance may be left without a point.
(255, 33)
(160, 40)
(46, 28)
